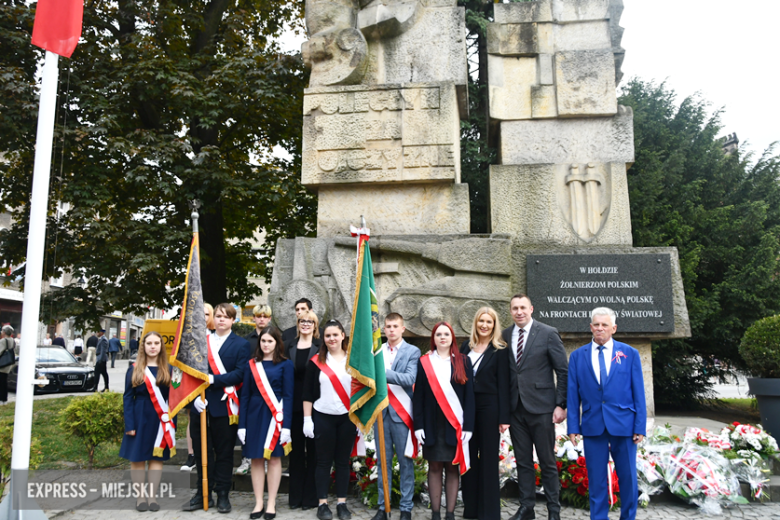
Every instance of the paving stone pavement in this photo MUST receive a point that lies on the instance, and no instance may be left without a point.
(243, 503)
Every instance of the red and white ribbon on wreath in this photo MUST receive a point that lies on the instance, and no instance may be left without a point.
(452, 409)
(402, 405)
(277, 413)
(231, 392)
(359, 448)
(166, 432)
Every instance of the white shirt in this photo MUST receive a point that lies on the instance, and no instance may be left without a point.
(216, 341)
(78, 342)
(476, 359)
(516, 332)
(329, 401)
(390, 354)
(441, 366)
(594, 357)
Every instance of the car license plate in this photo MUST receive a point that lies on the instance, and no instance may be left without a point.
(72, 383)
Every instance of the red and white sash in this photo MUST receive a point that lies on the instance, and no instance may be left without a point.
(277, 415)
(166, 432)
(359, 448)
(402, 404)
(231, 392)
(450, 405)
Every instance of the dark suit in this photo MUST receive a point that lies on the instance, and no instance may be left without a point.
(534, 396)
(611, 414)
(492, 378)
(221, 435)
(425, 406)
(59, 340)
(303, 457)
(101, 360)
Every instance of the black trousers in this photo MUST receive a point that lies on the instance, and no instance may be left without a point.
(101, 370)
(334, 436)
(481, 492)
(303, 461)
(220, 439)
(528, 430)
(3, 387)
(113, 358)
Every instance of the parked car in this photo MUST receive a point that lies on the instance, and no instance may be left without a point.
(64, 372)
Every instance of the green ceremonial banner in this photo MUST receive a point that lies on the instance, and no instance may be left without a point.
(365, 362)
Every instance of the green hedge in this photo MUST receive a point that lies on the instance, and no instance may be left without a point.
(760, 347)
(95, 419)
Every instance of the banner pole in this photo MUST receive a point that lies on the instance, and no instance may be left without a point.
(383, 458)
(204, 459)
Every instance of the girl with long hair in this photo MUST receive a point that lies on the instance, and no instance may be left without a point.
(150, 435)
(326, 418)
(492, 364)
(443, 407)
(265, 417)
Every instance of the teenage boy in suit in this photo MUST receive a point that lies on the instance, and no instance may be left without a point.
(537, 404)
(229, 356)
(401, 371)
(605, 376)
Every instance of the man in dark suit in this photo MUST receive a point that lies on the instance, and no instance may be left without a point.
(229, 355)
(302, 305)
(114, 346)
(92, 342)
(606, 377)
(536, 404)
(58, 340)
(102, 359)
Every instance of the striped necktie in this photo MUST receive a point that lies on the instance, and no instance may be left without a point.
(520, 345)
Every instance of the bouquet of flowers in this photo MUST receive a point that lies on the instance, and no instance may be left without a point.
(507, 466)
(749, 437)
(701, 476)
(751, 468)
(650, 481)
(574, 475)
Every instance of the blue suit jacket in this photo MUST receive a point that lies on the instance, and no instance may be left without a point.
(114, 345)
(620, 407)
(403, 372)
(234, 354)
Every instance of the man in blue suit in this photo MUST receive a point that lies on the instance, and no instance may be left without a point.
(228, 357)
(605, 376)
(114, 346)
(401, 371)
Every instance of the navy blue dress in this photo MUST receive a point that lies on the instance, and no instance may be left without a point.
(254, 414)
(141, 417)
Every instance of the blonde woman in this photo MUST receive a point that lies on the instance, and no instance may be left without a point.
(492, 364)
(303, 458)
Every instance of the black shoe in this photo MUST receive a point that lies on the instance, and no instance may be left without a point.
(553, 515)
(406, 515)
(269, 516)
(324, 512)
(196, 503)
(187, 466)
(154, 507)
(143, 506)
(342, 512)
(296, 506)
(524, 513)
(380, 515)
(223, 501)
(258, 514)
(435, 515)
(449, 516)
(306, 508)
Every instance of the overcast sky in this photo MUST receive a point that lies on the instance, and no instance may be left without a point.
(729, 51)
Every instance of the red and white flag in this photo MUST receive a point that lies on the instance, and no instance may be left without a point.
(57, 26)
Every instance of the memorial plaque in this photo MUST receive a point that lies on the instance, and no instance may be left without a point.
(638, 287)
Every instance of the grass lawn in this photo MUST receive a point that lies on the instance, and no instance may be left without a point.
(724, 410)
(62, 451)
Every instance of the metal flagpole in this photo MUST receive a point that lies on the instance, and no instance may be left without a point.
(36, 240)
(204, 459)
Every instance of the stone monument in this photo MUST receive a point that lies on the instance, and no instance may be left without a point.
(381, 139)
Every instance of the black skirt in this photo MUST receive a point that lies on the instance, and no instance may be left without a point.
(440, 451)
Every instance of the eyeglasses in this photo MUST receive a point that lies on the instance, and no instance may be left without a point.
(305, 322)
